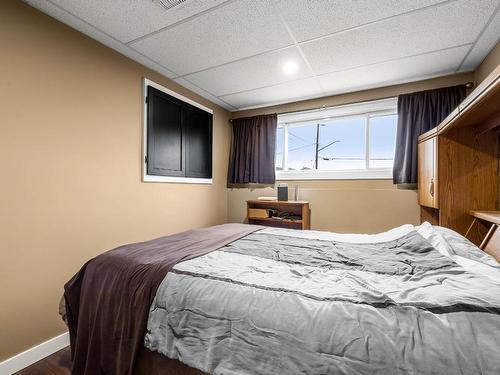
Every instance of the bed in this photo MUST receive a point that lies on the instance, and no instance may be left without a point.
(414, 300)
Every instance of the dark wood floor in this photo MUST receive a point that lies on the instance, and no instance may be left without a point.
(58, 363)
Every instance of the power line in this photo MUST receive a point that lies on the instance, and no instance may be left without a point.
(296, 136)
(298, 148)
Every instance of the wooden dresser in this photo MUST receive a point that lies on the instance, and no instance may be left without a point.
(458, 161)
(291, 214)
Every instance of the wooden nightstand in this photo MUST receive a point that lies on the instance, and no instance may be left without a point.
(491, 241)
(297, 214)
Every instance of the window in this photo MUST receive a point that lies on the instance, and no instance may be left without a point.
(177, 137)
(346, 142)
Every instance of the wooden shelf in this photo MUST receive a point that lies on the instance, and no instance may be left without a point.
(288, 221)
(274, 202)
(299, 209)
(490, 216)
(490, 242)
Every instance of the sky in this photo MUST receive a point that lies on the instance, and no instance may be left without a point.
(348, 149)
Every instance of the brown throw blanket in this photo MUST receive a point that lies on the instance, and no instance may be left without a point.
(108, 300)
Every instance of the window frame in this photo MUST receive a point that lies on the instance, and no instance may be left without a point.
(368, 109)
(169, 179)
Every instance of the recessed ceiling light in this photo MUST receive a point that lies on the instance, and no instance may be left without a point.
(290, 67)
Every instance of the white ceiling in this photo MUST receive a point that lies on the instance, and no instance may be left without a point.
(232, 52)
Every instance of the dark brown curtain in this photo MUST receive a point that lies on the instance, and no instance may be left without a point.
(252, 150)
(419, 112)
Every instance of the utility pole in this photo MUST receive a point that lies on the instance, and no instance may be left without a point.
(317, 146)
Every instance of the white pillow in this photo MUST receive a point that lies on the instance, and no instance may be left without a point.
(427, 231)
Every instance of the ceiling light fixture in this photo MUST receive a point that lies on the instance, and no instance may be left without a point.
(290, 67)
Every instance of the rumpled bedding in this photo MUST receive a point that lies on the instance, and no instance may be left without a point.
(303, 302)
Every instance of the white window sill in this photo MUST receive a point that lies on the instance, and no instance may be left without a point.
(177, 180)
(358, 174)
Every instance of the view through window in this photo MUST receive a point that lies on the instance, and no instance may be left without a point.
(357, 142)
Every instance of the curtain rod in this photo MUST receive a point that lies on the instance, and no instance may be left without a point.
(468, 85)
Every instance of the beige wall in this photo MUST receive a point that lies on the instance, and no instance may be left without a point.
(70, 162)
(490, 62)
(360, 206)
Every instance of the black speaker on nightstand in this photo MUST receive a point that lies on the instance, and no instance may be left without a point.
(283, 192)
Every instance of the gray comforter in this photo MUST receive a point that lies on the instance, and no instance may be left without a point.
(275, 303)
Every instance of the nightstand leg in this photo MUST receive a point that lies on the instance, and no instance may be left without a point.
(488, 236)
(470, 227)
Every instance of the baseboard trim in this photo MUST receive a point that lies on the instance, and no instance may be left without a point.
(34, 354)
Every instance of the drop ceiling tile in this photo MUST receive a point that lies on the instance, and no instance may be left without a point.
(447, 25)
(128, 20)
(393, 72)
(259, 71)
(205, 94)
(240, 29)
(282, 93)
(484, 45)
(312, 19)
(76, 23)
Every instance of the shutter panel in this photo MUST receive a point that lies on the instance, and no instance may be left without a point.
(198, 134)
(165, 140)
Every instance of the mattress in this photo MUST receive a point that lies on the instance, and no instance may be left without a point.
(414, 300)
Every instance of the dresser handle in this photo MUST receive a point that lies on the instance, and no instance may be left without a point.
(431, 187)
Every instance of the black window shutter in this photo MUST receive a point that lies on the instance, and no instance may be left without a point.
(179, 137)
(165, 140)
(198, 135)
